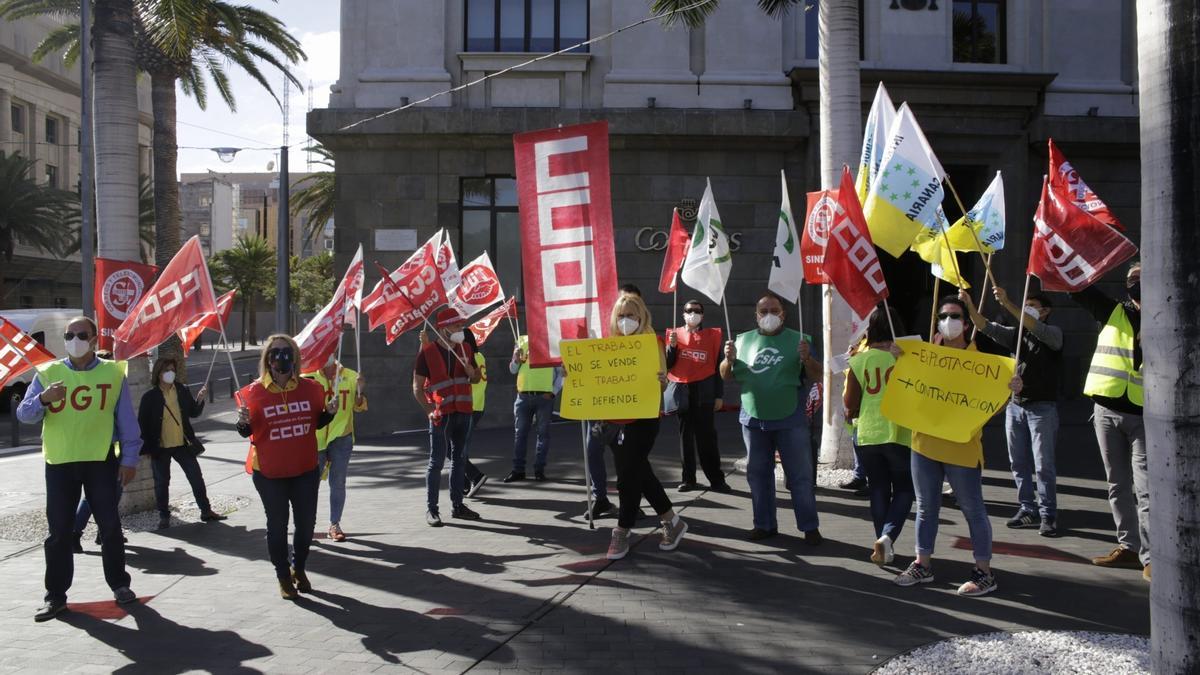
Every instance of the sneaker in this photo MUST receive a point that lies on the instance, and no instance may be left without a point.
(1146, 572)
(915, 574)
(672, 534)
(513, 477)
(1023, 520)
(299, 578)
(722, 487)
(618, 546)
(77, 543)
(164, 522)
(124, 596)
(1124, 558)
(461, 512)
(981, 583)
(49, 610)
(1048, 528)
(287, 590)
(883, 553)
(539, 474)
(335, 533)
(432, 519)
(813, 537)
(688, 486)
(210, 516)
(600, 509)
(476, 485)
(758, 534)
(854, 484)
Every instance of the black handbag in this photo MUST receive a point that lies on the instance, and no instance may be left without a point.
(675, 398)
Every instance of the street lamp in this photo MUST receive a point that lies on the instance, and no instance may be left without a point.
(226, 155)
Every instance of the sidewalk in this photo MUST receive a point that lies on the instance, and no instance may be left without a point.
(528, 588)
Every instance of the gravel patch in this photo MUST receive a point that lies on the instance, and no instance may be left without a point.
(826, 478)
(30, 526)
(1002, 653)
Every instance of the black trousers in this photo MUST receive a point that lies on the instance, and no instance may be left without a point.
(299, 493)
(98, 482)
(698, 435)
(635, 477)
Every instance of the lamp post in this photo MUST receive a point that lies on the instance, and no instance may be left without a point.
(282, 249)
(87, 221)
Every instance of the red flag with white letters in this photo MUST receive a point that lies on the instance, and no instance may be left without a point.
(1067, 182)
(483, 328)
(818, 218)
(677, 247)
(478, 289)
(183, 292)
(1071, 248)
(417, 284)
(18, 352)
(570, 265)
(119, 286)
(214, 321)
(319, 339)
(850, 259)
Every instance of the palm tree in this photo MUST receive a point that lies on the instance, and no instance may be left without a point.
(145, 222)
(38, 215)
(1168, 58)
(248, 267)
(841, 138)
(316, 195)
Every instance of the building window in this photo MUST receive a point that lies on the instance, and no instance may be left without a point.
(526, 25)
(812, 31)
(52, 175)
(51, 130)
(205, 229)
(18, 119)
(979, 35)
(204, 200)
(490, 223)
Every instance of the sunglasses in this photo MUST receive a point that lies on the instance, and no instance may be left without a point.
(945, 315)
(280, 353)
(84, 335)
(689, 310)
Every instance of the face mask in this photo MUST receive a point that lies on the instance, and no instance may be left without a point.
(168, 377)
(457, 337)
(78, 348)
(627, 326)
(1033, 313)
(1135, 291)
(281, 359)
(692, 319)
(950, 328)
(769, 323)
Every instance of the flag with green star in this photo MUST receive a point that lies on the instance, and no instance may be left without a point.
(986, 218)
(879, 122)
(904, 198)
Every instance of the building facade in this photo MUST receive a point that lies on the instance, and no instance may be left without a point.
(208, 212)
(735, 102)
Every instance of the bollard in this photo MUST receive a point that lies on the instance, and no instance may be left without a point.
(16, 425)
(212, 394)
(231, 389)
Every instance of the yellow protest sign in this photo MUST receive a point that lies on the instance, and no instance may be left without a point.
(613, 378)
(946, 392)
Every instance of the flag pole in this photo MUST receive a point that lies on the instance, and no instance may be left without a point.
(800, 312)
(937, 285)
(982, 298)
(728, 326)
(953, 255)
(357, 341)
(587, 475)
(987, 262)
(1021, 325)
(225, 340)
(212, 363)
(888, 312)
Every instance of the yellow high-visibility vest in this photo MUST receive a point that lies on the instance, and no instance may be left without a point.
(80, 427)
(1112, 374)
(479, 389)
(533, 379)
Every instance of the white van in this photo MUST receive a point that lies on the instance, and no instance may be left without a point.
(46, 326)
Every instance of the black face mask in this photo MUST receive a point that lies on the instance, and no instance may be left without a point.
(281, 359)
(1135, 291)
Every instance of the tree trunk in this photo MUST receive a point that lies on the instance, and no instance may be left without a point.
(116, 148)
(167, 221)
(841, 139)
(1168, 67)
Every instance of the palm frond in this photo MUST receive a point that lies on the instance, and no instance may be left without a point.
(64, 38)
(12, 10)
(38, 215)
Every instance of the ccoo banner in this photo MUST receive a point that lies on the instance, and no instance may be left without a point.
(570, 268)
(119, 287)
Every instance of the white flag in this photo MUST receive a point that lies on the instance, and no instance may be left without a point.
(787, 269)
(479, 289)
(879, 122)
(708, 262)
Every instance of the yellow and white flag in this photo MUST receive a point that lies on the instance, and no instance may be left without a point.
(931, 246)
(907, 193)
(986, 218)
(879, 122)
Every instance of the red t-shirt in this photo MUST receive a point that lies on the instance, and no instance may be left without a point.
(283, 427)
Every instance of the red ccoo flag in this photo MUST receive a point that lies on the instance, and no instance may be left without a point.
(1067, 182)
(482, 329)
(677, 246)
(18, 352)
(319, 339)
(850, 259)
(183, 292)
(212, 320)
(1071, 248)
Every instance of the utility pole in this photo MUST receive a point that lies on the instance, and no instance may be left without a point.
(282, 248)
(87, 166)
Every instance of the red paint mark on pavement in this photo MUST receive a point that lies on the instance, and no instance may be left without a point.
(105, 610)
(1039, 551)
(586, 565)
(445, 611)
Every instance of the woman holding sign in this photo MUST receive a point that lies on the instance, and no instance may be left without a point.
(882, 445)
(632, 445)
(281, 412)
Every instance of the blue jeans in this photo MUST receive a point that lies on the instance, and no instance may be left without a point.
(472, 473)
(968, 492)
(299, 493)
(795, 453)
(160, 466)
(447, 439)
(595, 463)
(84, 512)
(860, 471)
(1032, 430)
(889, 477)
(337, 453)
(525, 409)
(64, 482)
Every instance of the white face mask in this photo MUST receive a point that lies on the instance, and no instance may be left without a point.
(457, 337)
(950, 328)
(628, 326)
(692, 319)
(168, 377)
(1033, 313)
(769, 323)
(78, 348)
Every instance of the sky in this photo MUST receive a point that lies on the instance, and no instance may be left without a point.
(258, 121)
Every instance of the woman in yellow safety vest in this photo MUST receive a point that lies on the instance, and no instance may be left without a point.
(335, 441)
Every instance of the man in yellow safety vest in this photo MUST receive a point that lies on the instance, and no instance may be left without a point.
(536, 389)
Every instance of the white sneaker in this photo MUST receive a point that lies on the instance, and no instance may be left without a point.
(883, 554)
(618, 546)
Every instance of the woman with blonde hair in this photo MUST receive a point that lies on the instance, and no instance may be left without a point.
(280, 412)
(631, 447)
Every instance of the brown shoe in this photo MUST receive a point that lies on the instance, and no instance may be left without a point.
(287, 590)
(1146, 572)
(335, 533)
(1123, 558)
(301, 580)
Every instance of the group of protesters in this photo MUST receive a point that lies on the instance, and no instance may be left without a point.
(301, 430)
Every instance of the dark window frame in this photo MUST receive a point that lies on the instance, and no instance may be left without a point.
(558, 45)
(492, 209)
(51, 129)
(52, 175)
(17, 112)
(973, 40)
